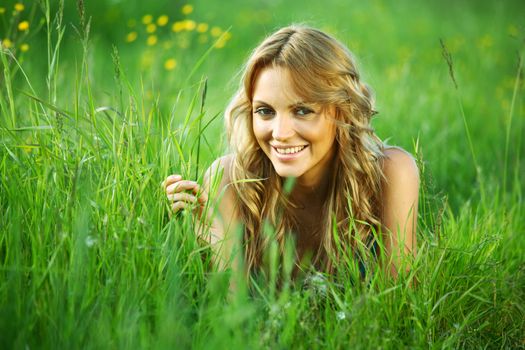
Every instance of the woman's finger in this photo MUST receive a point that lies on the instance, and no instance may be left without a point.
(177, 206)
(182, 185)
(202, 195)
(171, 179)
(182, 196)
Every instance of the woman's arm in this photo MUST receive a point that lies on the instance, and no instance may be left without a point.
(222, 212)
(212, 205)
(400, 202)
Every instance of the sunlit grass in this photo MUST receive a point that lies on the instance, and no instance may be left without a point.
(89, 257)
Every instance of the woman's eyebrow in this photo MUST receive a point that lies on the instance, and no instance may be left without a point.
(304, 105)
(260, 102)
(299, 104)
(293, 105)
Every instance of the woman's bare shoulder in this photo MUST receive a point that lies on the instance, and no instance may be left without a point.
(217, 179)
(399, 165)
(220, 170)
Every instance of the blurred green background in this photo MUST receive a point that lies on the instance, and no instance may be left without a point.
(397, 45)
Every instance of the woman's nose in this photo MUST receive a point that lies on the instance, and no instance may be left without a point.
(282, 127)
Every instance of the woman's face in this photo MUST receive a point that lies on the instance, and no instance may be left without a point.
(297, 136)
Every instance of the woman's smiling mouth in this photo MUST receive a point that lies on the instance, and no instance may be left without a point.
(288, 152)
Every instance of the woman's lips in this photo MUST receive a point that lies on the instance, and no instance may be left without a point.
(288, 153)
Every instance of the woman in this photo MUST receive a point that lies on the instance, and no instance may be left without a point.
(303, 113)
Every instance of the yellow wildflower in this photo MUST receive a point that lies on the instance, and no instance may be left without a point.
(170, 64)
(190, 25)
(6, 43)
(162, 20)
(24, 25)
(178, 26)
(147, 19)
(220, 44)
(151, 28)
(24, 47)
(485, 41)
(202, 27)
(216, 31)
(152, 40)
(222, 40)
(2, 10)
(132, 36)
(19, 7)
(187, 9)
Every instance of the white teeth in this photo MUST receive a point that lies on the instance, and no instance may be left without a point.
(290, 150)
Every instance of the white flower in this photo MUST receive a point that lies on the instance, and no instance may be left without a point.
(317, 282)
(91, 241)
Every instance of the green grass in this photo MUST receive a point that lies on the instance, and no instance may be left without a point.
(90, 259)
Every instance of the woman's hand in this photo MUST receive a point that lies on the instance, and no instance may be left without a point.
(183, 194)
(213, 207)
(186, 194)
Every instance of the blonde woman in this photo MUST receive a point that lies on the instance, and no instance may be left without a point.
(302, 112)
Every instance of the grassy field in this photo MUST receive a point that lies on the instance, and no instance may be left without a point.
(99, 103)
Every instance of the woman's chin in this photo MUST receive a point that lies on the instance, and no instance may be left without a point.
(287, 172)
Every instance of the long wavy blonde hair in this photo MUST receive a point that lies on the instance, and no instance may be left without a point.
(326, 73)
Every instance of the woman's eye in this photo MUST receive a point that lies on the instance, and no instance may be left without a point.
(302, 111)
(263, 111)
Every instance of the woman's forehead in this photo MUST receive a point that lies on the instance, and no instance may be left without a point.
(274, 86)
(275, 83)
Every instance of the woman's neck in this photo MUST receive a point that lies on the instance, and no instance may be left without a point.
(310, 195)
(313, 191)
